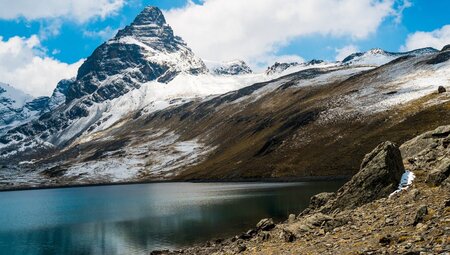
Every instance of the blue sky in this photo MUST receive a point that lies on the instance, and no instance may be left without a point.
(65, 38)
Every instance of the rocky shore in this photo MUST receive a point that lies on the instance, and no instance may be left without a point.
(398, 203)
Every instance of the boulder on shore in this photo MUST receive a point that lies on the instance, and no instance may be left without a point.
(379, 175)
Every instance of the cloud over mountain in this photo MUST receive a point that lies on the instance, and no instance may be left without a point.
(436, 39)
(254, 29)
(77, 10)
(25, 65)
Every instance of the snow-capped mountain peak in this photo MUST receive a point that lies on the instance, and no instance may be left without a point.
(151, 29)
(17, 107)
(378, 57)
(144, 51)
(150, 15)
(234, 67)
(376, 51)
(12, 97)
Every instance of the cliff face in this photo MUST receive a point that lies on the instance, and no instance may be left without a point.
(367, 215)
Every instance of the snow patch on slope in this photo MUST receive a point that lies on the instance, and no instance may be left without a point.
(399, 85)
(153, 96)
(158, 158)
(17, 98)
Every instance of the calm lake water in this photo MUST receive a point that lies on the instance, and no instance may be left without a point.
(136, 219)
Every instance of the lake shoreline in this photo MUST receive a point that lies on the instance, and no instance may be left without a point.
(238, 180)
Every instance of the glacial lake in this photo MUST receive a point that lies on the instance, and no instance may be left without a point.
(139, 218)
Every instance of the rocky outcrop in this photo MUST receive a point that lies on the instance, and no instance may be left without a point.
(379, 176)
(279, 67)
(441, 89)
(440, 173)
(265, 224)
(413, 221)
(232, 68)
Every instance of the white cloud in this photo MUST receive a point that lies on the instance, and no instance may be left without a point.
(403, 5)
(436, 39)
(49, 28)
(254, 29)
(104, 34)
(344, 52)
(24, 65)
(77, 10)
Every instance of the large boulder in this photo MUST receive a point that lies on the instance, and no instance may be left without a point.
(379, 176)
(425, 142)
(438, 175)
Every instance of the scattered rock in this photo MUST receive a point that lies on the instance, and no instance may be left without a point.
(438, 175)
(251, 232)
(441, 89)
(389, 221)
(420, 215)
(264, 236)
(321, 231)
(245, 236)
(291, 218)
(265, 224)
(386, 240)
(379, 176)
(421, 227)
(287, 236)
(414, 193)
(241, 248)
(447, 203)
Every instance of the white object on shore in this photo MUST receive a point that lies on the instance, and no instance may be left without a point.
(406, 181)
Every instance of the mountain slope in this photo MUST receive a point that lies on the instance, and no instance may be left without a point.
(144, 107)
(315, 122)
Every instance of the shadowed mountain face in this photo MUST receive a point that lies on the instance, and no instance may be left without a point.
(143, 51)
(299, 120)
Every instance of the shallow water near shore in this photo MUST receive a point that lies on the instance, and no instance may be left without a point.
(139, 218)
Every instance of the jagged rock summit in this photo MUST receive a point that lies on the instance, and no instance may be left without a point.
(145, 50)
